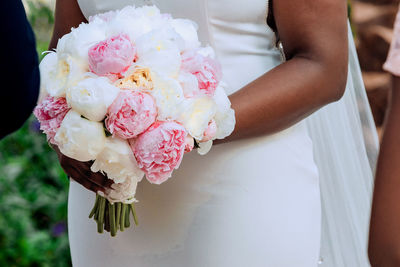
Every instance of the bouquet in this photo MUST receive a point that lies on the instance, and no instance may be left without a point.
(131, 91)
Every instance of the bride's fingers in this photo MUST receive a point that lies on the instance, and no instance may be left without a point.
(77, 176)
(81, 174)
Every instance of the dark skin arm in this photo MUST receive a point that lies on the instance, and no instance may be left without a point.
(313, 76)
(384, 238)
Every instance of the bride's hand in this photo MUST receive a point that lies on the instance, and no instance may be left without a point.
(81, 173)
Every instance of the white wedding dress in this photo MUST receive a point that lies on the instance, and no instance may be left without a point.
(254, 202)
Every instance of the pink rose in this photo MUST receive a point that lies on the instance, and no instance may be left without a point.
(159, 150)
(112, 56)
(207, 71)
(50, 113)
(210, 132)
(130, 114)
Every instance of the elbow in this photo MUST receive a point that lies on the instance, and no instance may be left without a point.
(337, 72)
(339, 88)
(335, 82)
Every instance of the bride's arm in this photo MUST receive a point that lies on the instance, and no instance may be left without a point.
(314, 37)
(67, 15)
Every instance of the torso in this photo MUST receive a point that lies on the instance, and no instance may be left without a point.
(232, 206)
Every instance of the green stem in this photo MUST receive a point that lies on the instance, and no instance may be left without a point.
(96, 204)
(127, 222)
(101, 212)
(111, 208)
(107, 218)
(123, 213)
(134, 214)
(118, 215)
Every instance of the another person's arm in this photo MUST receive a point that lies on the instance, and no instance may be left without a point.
(384, 239)
(384, 243)
(19, 67)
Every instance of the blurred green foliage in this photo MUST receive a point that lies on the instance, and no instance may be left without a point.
(33, 187)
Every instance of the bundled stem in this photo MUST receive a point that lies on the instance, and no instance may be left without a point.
(112, 217)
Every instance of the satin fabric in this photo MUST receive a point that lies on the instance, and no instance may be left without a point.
(254, 202)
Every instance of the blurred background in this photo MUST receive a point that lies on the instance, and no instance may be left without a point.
(34, 189)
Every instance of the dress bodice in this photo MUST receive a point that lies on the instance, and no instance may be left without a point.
(244, 44)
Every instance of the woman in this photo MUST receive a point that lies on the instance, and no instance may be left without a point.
(254, 200)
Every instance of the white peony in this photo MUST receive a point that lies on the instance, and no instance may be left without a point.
(159, 50)
(195, 114)
(126, 21)
(187, 29)
(57, 74)
(79, 138)
(225, 115)
(122, 192)
(91, 97)
(117, 161)
(225, 123)
(189, 83)
(76, 44)
(207, 51)
(204, 147)
(168, 95)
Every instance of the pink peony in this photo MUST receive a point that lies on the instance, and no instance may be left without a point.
(130, 114)
(210, 132)
(207, 71)
(50, 113)
(112, 56)
(159, 150)
(189, 144)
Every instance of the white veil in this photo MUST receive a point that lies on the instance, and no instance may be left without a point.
(345, 148)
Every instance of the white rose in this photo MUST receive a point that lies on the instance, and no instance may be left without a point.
(159, 50)
(79, 138)
(195, 114)
(117, 161)
(225, 115)
(57, 74)
(168, 95)
(91, 97)
(187, 29)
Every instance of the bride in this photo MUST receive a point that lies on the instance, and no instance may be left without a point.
(255, 199)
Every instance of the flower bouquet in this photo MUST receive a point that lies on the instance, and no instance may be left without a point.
(132, 91)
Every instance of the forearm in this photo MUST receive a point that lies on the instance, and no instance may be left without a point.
(384, 243)
(286, 95)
